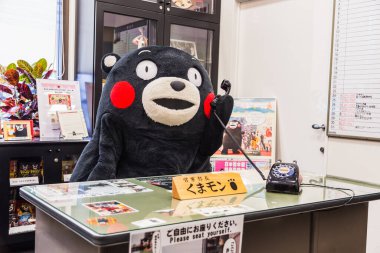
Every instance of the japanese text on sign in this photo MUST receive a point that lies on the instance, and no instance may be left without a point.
(192, 236)
(207, 185)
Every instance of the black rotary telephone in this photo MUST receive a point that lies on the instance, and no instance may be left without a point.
(283, 177)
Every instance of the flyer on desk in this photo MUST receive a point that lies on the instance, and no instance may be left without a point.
(207, 236)
(253, 126)
(164, 182)
(54, 96)
(60, 192)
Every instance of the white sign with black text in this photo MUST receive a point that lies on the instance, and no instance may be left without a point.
(206, 236)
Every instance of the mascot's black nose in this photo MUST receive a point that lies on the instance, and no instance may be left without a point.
(177, 85)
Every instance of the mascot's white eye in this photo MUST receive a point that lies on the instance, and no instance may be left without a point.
(194, 76)
(146, 70)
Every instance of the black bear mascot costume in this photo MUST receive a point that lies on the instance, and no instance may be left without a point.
(155, 117)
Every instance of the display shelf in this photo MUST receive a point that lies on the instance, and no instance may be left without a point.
(22, 214)
(21, 241)
(22, 229)
(19, 159)
(25, 171)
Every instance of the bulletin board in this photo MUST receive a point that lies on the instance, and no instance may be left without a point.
(354, 101)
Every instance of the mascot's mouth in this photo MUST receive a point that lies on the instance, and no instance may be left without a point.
(173, 103)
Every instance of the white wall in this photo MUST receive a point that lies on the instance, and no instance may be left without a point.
(354, 159)
(287, 43)
(281, 48)
(228, 47)
(278, 55)
(274, 53)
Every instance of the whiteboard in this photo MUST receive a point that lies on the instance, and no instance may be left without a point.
(354, 104)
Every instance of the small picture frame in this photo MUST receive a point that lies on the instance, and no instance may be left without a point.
(189, 47)
(15, 130)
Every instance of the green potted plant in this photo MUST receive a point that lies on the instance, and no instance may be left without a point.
(18, 91)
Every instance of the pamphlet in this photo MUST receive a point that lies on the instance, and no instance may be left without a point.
(60, 192)
(54, 96)
(223, 210)
(160, 181)
(72, 125)
(148, 222)
(111, 207)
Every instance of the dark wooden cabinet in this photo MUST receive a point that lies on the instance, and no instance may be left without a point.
(52, 156)
(116, 25)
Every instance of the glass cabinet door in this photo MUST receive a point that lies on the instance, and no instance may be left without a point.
(120, 30)
(205, 10)
(202, 6)
(123, 34)
(197, 38)
(194, 41)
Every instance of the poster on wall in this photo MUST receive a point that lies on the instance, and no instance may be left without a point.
(54, 96)
(207, 236)
(253, 126)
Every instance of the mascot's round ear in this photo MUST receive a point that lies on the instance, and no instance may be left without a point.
(108, 61)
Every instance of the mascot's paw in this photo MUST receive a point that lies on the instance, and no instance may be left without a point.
(223, 106)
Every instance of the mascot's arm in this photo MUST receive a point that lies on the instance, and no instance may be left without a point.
(110, 148)
(213, 134)
(200, 164)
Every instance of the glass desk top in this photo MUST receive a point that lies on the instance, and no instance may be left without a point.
(110, 208)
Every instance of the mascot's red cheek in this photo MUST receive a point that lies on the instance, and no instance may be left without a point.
(207, 104)
(122, 95)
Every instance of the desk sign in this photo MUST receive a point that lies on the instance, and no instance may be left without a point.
(211, 235)
(195, 186)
